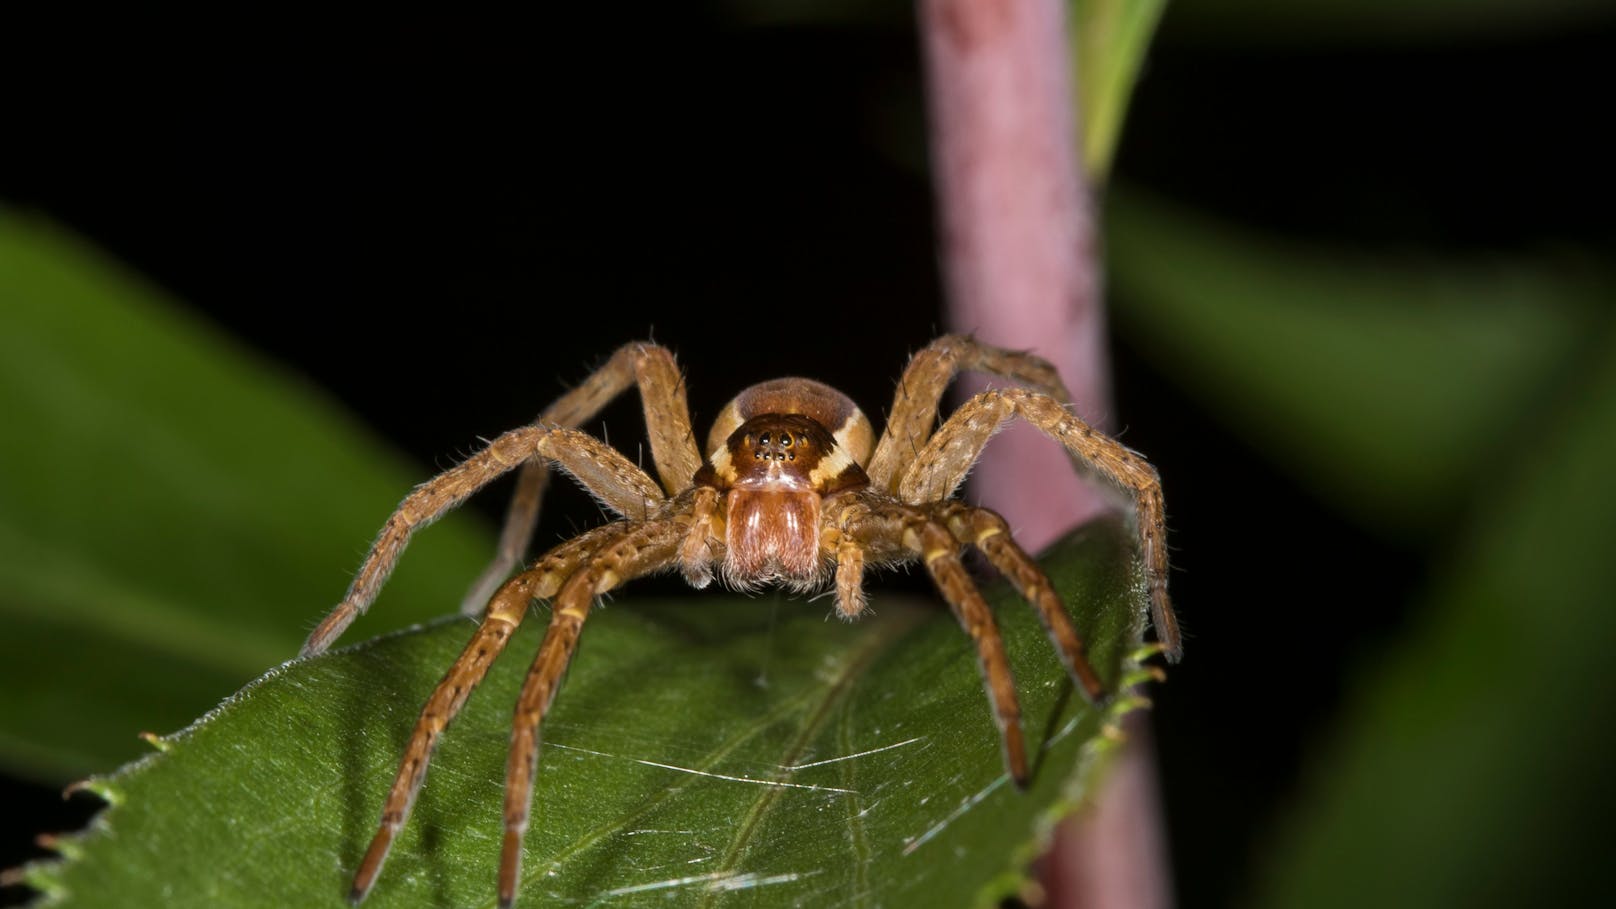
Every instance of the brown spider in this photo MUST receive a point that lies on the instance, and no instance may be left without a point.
(795, 489)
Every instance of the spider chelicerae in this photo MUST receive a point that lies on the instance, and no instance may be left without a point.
(795, 490)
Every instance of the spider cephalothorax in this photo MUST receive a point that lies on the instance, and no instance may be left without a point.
(773, 472)
(795, 490)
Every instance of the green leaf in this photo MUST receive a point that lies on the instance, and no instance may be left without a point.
(1473, 769)
(709, 751)
(1390, 387)
(173, 510)
(1108, 39)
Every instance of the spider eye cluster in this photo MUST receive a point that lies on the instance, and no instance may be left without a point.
(776, 446)
(782, 452)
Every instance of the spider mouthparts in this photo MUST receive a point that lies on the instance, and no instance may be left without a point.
(772, 534)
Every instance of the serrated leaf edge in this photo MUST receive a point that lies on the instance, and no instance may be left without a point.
(45, 874)
(1077, 793)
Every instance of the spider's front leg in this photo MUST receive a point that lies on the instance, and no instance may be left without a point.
(942, 464)
(505, 612)
(920, 391)
(667, 420)
(598, 467)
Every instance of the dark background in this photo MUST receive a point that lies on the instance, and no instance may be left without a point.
(440, 222)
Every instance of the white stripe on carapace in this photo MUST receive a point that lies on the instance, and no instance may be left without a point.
(830, 467)
(723, 466)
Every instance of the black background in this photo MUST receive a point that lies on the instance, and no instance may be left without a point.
(441, 221)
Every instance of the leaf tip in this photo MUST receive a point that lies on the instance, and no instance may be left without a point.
(40, 876)
(156, 741)
(97, 786)
(65, 845)
(1142, 653)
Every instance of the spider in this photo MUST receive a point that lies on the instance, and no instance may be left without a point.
(795, 490)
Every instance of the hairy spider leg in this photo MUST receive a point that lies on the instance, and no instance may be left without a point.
(948, 456)
(940, 551)
(928, 375)
(850, 599)
(698, 553)
(989, 533)
(667, 419)
(635, 549)
(505, 612)
(598, 467)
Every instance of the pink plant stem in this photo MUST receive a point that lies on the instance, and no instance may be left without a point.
(1017, 229)
(1021, 269)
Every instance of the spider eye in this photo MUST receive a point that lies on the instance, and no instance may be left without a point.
(763, 439)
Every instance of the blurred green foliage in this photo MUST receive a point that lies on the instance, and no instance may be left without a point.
(1416, 398)
(1108, 39)
(175, 512)
(1391, 387)
(1463, 404)
(1473, 767)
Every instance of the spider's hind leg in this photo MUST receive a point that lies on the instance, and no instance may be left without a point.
(891, 532)
(505, 612)
(520, 520)
(940, 551)
(987, 531)
(633, 549)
